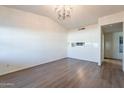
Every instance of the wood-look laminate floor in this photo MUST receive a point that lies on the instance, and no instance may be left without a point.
(67, 73)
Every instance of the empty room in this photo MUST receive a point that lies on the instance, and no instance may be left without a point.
(61, 46)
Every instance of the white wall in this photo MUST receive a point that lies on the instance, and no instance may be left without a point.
(90, 51)
(27, 40)
(112, 45)
(108, 47)
(110, 19)
(103, 44)
(116, 53)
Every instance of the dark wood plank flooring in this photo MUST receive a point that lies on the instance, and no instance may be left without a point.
(67, 73)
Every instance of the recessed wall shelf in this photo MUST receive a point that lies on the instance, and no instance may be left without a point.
(74, 44)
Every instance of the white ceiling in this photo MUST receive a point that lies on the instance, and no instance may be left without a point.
(117, 27)
(82, 15)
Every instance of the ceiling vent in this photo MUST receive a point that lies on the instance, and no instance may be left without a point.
(83, 28)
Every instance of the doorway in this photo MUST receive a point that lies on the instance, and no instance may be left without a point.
(112, 43)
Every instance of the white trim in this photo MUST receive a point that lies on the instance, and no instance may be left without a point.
(100, 59)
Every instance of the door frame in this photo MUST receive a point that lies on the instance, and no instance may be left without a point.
(101, 52)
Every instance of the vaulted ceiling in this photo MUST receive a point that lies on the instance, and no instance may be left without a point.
(82, 15)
